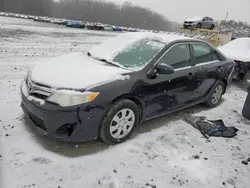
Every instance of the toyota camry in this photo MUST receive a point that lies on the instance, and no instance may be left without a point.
(111, 89)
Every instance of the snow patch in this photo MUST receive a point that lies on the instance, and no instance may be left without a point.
(74, 71)
(238, 49)
(34, 99)
(197, 18)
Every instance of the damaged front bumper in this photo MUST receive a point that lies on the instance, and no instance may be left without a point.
(78, 124)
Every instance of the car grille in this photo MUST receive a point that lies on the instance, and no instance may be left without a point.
(37, 91)
(188, 22)
(39, 96)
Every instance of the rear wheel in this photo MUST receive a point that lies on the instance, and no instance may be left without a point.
(215, 95)
(212, 27)
(199, 25)
(119, 122)
(241, 76)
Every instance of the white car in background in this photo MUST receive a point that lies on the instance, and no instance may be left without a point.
(239, 51)
(200, 22)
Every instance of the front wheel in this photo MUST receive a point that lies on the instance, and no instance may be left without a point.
(215, 95)
(119, 122)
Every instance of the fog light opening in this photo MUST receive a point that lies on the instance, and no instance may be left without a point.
(67, 129)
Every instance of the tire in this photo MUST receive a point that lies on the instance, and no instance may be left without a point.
(212, 102)
(124, 106)
(199, 25)
(212, 27)
(241, 76)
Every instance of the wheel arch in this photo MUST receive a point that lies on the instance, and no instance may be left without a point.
(133, 99)
(225, 82)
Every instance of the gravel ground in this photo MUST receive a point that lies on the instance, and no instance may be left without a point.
(164, 152)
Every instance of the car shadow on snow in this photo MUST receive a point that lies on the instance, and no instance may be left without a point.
(242, 84)
(147, 126)
(87, 148)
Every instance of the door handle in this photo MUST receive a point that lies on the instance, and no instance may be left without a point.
(218, 69)
(190, 75)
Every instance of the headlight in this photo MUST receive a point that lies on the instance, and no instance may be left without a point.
(70, 98)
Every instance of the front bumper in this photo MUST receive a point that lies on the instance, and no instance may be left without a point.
(78, 124)
(189, 25)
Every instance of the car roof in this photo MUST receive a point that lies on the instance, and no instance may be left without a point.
(111, 47)
(163, 37)
(196, 17)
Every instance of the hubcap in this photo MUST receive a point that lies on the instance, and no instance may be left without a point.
(122, 123)
(217, 94)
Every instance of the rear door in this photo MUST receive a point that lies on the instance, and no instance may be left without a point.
(208, 68)
(210, 22)
(205, 22)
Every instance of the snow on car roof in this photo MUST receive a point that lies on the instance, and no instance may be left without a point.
(111, 47)
(238, 49)
(166, 38)
(195, 18)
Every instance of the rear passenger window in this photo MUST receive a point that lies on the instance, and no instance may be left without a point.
(215, 56)
(203, 53)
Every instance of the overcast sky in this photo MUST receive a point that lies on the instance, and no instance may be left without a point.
(178, 10)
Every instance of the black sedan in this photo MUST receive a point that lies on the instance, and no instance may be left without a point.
(108, 91)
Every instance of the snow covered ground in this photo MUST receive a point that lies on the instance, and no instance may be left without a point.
(160, 154)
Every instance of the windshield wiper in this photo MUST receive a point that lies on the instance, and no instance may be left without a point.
(108, 62)
(103, 60)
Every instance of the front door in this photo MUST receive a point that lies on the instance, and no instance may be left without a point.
(167, 93)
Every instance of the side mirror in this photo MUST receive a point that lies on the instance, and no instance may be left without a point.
(163, 68)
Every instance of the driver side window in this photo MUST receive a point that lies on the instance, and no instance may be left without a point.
(178, 56)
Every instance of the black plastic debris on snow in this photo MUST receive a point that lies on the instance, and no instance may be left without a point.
(196, 157)
(209, 128)
(244, 162)
(150, 185)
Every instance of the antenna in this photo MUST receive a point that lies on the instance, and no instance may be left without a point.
(224, 21)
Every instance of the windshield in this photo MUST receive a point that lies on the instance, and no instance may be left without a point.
(111, 47)
(138, 54)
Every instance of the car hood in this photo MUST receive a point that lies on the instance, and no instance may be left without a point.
(240, 55)
(75, 71)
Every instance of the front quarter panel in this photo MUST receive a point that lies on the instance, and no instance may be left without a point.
(127, 87)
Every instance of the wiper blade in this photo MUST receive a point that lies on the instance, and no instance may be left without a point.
(103, 60)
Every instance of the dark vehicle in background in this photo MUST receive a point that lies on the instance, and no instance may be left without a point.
(95, 26)
(238, 50)
(200, 22)
(106, 92)
(76, 24)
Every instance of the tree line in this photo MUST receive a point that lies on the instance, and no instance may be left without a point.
(127, 14)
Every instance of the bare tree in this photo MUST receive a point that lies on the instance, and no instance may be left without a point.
(91, 10)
